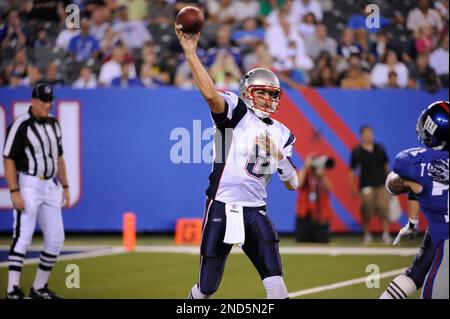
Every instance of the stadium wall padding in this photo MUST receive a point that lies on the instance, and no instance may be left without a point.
(124, 145)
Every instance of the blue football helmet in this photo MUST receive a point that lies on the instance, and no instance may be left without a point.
(432, 126)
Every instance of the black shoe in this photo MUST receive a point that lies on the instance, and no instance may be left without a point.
(17, 293)
(43, 293)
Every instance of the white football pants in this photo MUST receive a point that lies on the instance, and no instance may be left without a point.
(42, 200)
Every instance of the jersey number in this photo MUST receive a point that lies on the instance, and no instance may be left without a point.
(438, 190)
(258, 165)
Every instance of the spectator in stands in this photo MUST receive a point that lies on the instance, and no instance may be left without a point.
(423, 15)
(12, 32)
(393, 80)
(222, 11)
(137, 9)
(247, 9)
(320, 42)
(380, 72)
(225, 72)
(356, 79)
(160, 12)
(112, 68)
(324, 73)
(347, 45)
(326, 77)
(442, 7)
(33, 76)
(425, 41)
(99, 23)
(286, 45)
(371, 160)
(42, 40)
(258, 58)
(379, 47)
(19, 65)
(15, 80)
(150, 73)
(423, 76)
(307, 27)
(355, 59)
(125, 80)
(87, 79)
(183, 73)
(134, 34)
(223, 43)
(84, 46)
(46, 11)
(249, 35)
(64, 38)
(439, 60)
(52, 76)
(287, 8)
(300, 8)
(268, 6)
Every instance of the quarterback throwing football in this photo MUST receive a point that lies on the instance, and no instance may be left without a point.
(249, 148)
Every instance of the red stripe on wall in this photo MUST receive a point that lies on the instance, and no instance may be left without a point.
(307, 143)
(329, 116)
(340, 128)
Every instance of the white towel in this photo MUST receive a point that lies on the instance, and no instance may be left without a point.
(235, 230)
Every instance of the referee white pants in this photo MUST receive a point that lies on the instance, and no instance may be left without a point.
(42, 200)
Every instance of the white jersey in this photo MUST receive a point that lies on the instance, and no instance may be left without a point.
(240, 171)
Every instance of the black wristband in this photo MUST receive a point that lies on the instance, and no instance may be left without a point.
(14, 190)
(65, 186)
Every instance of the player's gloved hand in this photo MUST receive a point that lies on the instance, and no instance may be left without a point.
(410, 229)
(17, 201)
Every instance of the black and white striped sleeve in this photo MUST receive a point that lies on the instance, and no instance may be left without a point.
(59, 138)
(15, 141)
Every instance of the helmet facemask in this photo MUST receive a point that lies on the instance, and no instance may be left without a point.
(262, 105)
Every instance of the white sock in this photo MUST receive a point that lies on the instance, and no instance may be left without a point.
(196, 293)
(275, 288)
(41, 279)
(400, 288)
(13, 279)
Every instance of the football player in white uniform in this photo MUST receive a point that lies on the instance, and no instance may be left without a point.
(249, 148)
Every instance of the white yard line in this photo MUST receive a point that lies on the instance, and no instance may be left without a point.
(66, 248)
(97, 251)
(332, 251)
(89, 254)
(342, 284)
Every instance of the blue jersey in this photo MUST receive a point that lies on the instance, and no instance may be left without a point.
(429, 168)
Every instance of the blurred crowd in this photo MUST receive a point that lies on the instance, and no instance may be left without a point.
(321, 43)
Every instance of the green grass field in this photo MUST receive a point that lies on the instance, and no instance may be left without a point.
(171, 275)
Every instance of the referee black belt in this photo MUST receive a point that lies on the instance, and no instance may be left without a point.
(42, 178)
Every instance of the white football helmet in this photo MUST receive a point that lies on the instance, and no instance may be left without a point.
(261, 79)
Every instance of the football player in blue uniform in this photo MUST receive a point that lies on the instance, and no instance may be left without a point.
(402, 286)
(249, 148)
(424, 172)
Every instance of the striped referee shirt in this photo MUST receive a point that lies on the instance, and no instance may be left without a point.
(34, 145)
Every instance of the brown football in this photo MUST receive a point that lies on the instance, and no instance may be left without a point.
(191, 18)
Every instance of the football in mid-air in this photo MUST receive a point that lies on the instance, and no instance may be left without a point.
(191, 19)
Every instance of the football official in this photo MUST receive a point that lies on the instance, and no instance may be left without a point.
(36, 176)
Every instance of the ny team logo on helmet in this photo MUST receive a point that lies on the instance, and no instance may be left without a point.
(261, 79)
(432, 125)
